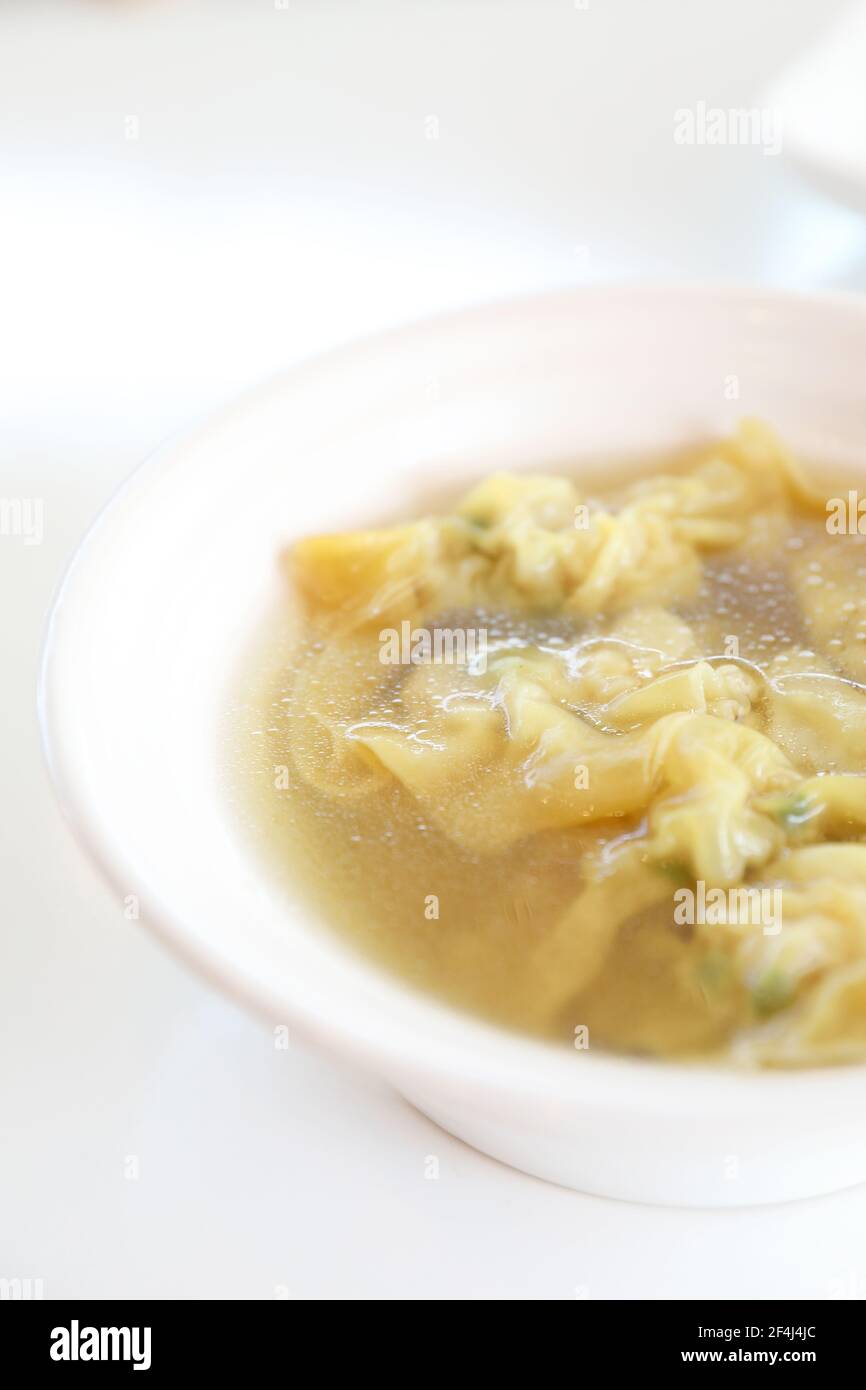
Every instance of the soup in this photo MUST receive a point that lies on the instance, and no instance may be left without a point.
(590, 766)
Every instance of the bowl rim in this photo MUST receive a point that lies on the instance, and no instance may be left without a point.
(504, 1062)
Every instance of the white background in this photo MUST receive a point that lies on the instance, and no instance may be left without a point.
(281, 193)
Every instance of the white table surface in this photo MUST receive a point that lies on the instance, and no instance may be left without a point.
(280, 194)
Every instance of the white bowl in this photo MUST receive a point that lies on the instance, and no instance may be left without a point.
(144, 640)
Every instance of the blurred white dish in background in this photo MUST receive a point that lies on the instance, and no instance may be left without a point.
(821, 105)
(169, 584)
